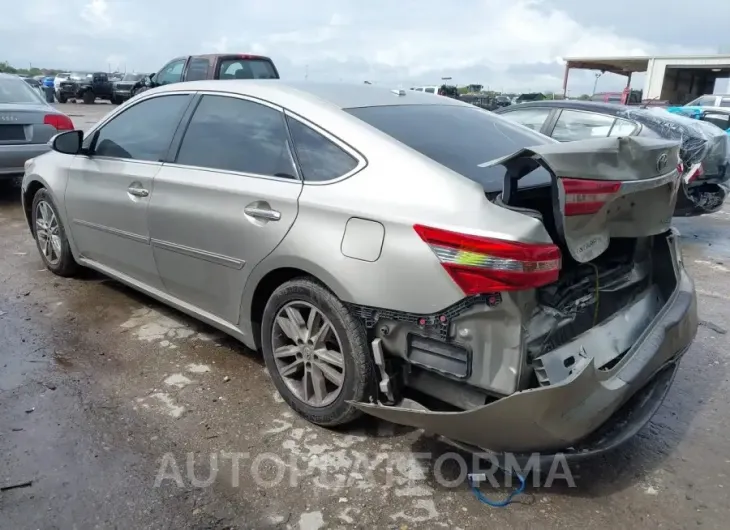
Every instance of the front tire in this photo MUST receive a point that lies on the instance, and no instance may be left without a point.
(316, 352)
(50, 236)
(89, 97)
(61, 98)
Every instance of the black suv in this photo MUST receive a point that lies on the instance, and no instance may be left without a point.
(86, 87)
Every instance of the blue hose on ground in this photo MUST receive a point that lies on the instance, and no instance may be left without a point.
(498, 504)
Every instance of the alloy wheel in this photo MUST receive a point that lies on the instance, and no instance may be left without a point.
(48, 232)
(308, 353)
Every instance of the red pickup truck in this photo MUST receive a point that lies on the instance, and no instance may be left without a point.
(210, 66)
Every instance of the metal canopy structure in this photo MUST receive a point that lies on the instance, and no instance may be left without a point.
(667, 77)
(615, 65)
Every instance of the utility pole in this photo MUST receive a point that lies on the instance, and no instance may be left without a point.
(595, 83)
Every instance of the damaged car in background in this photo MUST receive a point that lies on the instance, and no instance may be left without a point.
(412, 257)
(704, 148)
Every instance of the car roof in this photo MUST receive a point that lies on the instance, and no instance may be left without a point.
(595, 106)
(341, 95)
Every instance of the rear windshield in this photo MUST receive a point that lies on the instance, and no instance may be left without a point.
(15, 90)
(132, 77)
(247, 69)
(458, 137)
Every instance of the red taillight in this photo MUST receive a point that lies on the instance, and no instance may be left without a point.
(60, 122)
(584, 197)
(484, 265)
(697, 172)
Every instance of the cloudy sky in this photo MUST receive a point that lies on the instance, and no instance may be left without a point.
(503, 44)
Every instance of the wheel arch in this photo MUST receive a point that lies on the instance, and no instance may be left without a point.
(27, 195)
(265, 280)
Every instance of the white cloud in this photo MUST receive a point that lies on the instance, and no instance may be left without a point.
(513, 44)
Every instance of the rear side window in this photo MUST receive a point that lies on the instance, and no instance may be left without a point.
(247, 69)
(578, 125)
(623, 128)
(430, 90)
(197, 69)
(319, 158)
(143, 131)
(459, 137)
(531, 118)
(725, 102)
(237, 135)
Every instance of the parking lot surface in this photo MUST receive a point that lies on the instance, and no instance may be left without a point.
(118, 412)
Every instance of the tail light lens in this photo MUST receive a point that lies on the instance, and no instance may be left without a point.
(697, 172)
(60, 122)
(584, 197)
(484, 265)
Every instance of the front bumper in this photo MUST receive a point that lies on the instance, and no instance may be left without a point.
(564, 415)
(13, 157)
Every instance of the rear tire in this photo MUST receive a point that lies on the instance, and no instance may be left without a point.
(55, 250)
(89, 97)
(61, 98)
(341, 377)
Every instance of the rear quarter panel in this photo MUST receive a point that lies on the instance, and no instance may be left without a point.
(398, 188)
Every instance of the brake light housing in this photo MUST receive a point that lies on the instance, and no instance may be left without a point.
(585, 197)
(60, 122)
(486, 265)
(696, 172)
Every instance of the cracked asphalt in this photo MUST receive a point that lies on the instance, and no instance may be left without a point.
(116, 412)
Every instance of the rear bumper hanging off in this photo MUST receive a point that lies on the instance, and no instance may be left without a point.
(563, 415)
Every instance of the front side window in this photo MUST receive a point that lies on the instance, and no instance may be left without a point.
(143, 131)
(430, 90)
(530, 118)
(237, 135)
(319, 158)
(172, 73)
(578, 125)
(725, 102)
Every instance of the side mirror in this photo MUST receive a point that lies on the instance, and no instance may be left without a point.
(68, 143)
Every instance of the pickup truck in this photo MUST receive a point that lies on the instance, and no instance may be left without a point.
(209, 66)
(86, 87)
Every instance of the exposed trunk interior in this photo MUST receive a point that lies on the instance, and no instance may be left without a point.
(633, 278)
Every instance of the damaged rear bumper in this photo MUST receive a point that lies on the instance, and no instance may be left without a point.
(565, 415)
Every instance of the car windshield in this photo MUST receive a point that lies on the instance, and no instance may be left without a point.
(132, 77)
(458, 137)
(79, 75)
(15, 90)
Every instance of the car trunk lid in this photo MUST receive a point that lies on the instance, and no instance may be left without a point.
(601, 188)
(26, 124)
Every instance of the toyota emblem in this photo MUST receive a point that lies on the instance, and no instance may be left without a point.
(661, 162)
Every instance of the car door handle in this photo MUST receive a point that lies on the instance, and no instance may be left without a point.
(138, 192)
(258, 212)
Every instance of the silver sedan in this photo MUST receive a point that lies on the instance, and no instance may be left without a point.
(27, 123)
(379, 245)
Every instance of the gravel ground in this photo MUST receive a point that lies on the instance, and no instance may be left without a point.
(123, 413)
